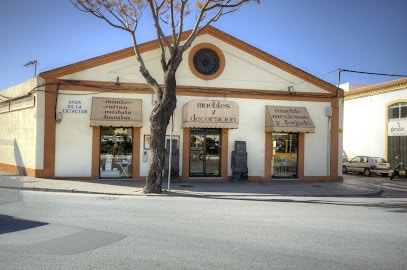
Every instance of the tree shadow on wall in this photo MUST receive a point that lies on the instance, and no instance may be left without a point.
(19, 160)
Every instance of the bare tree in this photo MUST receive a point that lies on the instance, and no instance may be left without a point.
(174, 41)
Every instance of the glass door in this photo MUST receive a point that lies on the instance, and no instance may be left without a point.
(284, 162)
(204, 152)
(116, 152)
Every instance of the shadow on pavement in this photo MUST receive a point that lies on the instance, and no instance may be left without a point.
(396, 206)
(10, 224)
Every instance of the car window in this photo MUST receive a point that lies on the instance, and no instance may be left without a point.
(355, 160)
(379, 160)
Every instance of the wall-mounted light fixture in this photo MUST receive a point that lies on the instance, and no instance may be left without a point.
(291, 90)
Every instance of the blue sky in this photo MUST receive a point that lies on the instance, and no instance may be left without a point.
(317, 36)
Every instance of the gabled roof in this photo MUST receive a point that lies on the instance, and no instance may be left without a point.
(152, 45)
(377, 89)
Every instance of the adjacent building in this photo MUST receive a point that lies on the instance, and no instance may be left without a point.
(375, 120)
(90, 120)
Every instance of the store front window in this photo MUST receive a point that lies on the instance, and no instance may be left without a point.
(116, 152)
(284, 160)
(204, 152)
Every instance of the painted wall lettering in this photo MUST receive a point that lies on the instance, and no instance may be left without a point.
(74, 106)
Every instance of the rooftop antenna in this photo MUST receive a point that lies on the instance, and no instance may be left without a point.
(33, 62)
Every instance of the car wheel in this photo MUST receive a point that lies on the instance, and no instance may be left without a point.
(344, 170)
(366, 172)
(385, 174)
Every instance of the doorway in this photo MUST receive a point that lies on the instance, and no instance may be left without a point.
(397, 138)
(116, 152)
(284, 160)
(204, 152)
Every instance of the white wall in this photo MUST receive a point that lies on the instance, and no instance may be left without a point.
(19, 129)
(73, 140)
(365, 123)
(242, 71)
(252, 130)
(74, 134)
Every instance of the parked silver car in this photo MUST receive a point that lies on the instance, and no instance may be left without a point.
(367, 165)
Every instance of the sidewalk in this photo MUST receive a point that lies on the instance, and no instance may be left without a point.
(224, 189)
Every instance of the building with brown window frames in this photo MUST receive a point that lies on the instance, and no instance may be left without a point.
(90, 120)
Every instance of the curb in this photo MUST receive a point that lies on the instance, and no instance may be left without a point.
(200, 194)
(183, 193)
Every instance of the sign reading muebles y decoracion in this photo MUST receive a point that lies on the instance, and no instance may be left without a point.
(210, 114)
(116, 112)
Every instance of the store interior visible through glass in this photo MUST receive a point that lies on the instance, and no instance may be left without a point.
(116, 152)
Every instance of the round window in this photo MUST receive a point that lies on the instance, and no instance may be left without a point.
(206, 62)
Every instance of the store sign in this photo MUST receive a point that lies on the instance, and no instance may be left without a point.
(116, 112)
(288, 119)
(397, 128)
(210, 114)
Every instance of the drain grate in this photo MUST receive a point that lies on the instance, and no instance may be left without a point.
(109, 198)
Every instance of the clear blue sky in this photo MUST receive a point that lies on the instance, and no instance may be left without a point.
(317, 36)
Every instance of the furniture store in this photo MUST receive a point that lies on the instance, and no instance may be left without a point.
(240, 112)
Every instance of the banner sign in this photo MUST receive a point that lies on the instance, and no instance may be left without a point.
(397, 128)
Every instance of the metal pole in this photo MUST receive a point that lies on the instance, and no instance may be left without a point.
(33, 62)
(328, 150)
(35, 68)
(339, 77)
(170, 153)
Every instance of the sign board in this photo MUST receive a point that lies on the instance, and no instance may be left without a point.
(397, 128)
(210, 114)
(116, 112)
(288, 119)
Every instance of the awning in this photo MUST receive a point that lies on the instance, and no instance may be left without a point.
(288, 119)
(210, 114)
(116, 112)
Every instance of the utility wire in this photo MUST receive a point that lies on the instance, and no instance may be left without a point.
(371, 73)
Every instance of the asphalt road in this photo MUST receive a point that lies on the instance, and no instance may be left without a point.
(76, 231)
(396, 188)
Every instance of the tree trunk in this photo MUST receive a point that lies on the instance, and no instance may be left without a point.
(159, 120)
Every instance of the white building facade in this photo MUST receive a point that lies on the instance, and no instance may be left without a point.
(90, 120)
(375, 120)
